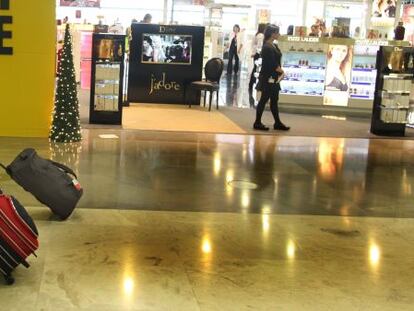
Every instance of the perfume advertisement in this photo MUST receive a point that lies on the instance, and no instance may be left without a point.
(108, 49)
(338, 74)
(170, 49)
(384, 8)
(164, 60)
(383, 13)
(408, 19)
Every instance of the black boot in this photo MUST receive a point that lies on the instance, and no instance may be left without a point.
(260, 127)
(281, 127)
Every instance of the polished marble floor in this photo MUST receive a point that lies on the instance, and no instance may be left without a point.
(185, 221)
(113, 260)
(191, 172)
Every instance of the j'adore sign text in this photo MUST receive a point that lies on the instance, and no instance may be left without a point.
(5, 34)
(163, 84)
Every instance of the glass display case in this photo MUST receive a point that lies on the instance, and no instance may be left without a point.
(313, 77)
(395, 68)
(107, 78)
(304, 66)
(364, 72)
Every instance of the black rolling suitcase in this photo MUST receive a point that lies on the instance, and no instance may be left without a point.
(52, 183)
(18, 236)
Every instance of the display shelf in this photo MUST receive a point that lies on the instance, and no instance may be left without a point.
(107, 79)
(306, 80)
(361, 83)
(322, 53)
(304, 93)
(364, 69)
(361, 96)
(391, 104)
(304, 67)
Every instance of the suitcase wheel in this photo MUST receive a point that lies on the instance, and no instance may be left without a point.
(9, 279)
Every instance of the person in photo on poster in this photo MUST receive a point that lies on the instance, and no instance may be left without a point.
(158, 50)
(147, 50)
(384, 8)
(187, 51)
(338, 68)
(391, 9)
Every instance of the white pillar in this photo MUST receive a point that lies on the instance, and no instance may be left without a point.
(165, 17)
(304, 11)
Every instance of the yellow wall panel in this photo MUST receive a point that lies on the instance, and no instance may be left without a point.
(27, 77)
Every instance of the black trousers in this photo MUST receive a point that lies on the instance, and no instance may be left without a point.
(269, 91)
(233, 54)
(252, 77)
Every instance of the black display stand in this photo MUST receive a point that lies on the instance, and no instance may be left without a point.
(157, 71)
(107, 79)
(392, 90)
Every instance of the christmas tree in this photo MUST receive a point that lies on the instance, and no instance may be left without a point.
(66, 123)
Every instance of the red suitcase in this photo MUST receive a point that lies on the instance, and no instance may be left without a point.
(18, 236)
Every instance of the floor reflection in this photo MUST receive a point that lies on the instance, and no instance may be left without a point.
(179, 171)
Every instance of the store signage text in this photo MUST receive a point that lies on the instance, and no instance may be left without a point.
(158, 85)
(303, 39)
(372, 42)
(167, 29)
(4, 34)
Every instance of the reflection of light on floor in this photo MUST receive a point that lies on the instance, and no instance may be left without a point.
(276, 189)
(346, 221)
(108, 136)
(217, 164)
(129, 286)
(291, 249)
(229, 176)
(245, 199)
(129, 280)
(344, 210)
(206, 245)
(374, 254)
(406, 185)
(244, 154)
(330, 157)
(334, 118)
(267, 209)
(265, 223)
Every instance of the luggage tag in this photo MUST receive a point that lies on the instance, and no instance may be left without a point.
(271, 80)
(77, 184)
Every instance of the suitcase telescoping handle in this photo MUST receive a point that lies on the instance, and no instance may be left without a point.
(64, 168)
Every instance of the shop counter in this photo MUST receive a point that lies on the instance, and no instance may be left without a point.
(330, 73)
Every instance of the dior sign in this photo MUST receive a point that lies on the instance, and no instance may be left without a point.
(4, 34)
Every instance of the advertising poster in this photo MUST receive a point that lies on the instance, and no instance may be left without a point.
(338, 75)
(408, 19)
(301, 31)
(384, 8)
(263, 16)
(81, 3)
(171, 49)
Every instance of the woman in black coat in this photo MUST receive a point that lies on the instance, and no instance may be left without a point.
(269, 78)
